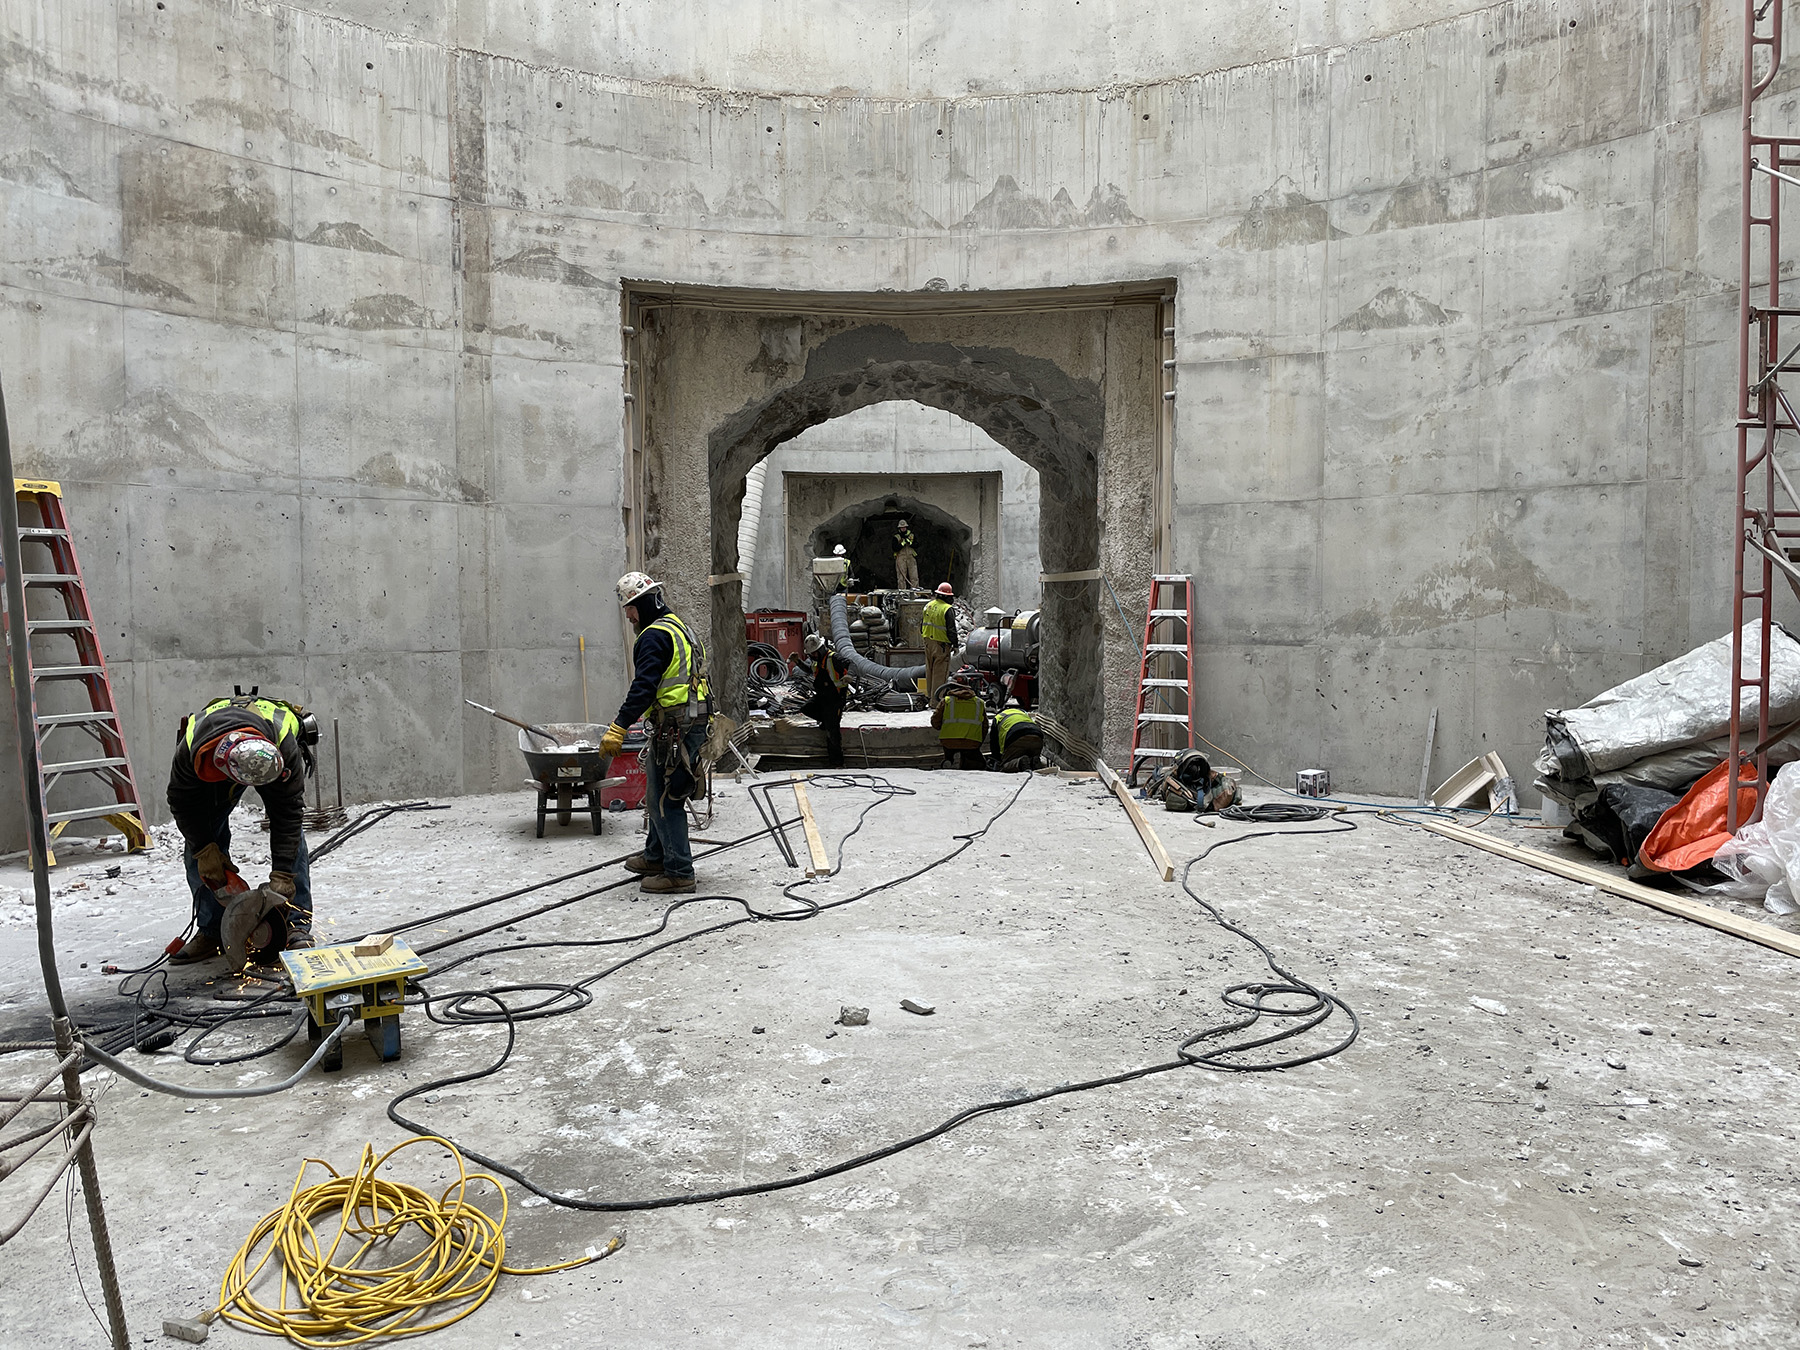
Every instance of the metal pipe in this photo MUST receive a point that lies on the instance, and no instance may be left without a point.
(337, 762)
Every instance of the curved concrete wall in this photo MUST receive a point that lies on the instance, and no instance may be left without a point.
(315, 310)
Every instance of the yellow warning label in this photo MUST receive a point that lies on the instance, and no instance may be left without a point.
(315, 970)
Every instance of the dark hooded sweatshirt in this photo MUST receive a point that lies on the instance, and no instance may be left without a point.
(198, 804)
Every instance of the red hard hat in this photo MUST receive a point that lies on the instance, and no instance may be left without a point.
(945, 588)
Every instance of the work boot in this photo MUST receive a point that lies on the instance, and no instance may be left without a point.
(299, 939)
(664, 884)
(200, 947)
(638, 863)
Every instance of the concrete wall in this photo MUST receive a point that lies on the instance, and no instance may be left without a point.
(900, 439)
(314, 308)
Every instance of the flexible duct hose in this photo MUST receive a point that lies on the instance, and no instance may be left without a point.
(750, 521)
(898, 677)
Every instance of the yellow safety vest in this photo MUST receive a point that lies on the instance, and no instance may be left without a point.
(1009, 720)
(277, 715)
(964, 718)
(683, 682)
(903, 541)
(934, 621)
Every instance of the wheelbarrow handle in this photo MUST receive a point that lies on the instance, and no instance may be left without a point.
(535, 731)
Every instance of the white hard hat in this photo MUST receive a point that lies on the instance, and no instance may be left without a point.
(633, 585)
(903, 525)
(245, 757)
(813, 643)
(838, 550)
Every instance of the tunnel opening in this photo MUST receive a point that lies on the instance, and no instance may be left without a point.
(947, 547)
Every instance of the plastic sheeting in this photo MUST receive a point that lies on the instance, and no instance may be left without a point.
(896, 676)
(1667, 727)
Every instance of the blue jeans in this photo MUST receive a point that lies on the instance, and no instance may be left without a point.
(207, 910)
(668, 839)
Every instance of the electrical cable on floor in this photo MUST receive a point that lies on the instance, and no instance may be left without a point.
(1250, 1002)
(332, 1300)
(125, 1070)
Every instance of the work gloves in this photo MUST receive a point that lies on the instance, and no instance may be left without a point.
(613, 741)
(212, 864)
(282, 884)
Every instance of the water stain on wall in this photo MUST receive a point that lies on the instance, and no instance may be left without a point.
(1392, 307)
(1491, 576)
(347, 235)
(1281, 216)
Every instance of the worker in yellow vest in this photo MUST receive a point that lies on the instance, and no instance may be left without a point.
(831, 687)
(1016, 742)
(938, 625)
(906, 558)
(960, 718)
(671, 690)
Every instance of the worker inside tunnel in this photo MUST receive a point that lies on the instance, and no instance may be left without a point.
(872, 532)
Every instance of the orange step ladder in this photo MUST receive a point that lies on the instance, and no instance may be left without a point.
(104, 762)
(1164, 725)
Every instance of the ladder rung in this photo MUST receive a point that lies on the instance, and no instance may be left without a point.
(85, 765)
(67, 672)
(95, 812)
(1168, 614)
(1145, 750)
(58, 625)
(1164, 684)
(1182, 577)
(1167, 647)
(1162, 717)
(49, 579)
(75, 719)
(41, 532)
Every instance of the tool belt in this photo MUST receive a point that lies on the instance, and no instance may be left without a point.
(668, 747)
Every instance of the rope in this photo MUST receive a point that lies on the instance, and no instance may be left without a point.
(332, 1300)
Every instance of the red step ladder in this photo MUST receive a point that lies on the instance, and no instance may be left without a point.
(1164, 725)
(104, 762)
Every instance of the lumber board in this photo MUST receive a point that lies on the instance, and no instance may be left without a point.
(1695, 911)
(1158, 854)
(821, 861)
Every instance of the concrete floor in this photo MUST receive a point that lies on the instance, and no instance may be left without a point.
(1419, 1190)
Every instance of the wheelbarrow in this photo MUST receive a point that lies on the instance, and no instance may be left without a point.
(570, 773)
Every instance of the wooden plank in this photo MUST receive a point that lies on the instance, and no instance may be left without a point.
(821, 861)
(1693, 910)
(1463, 784)
(1158, 854)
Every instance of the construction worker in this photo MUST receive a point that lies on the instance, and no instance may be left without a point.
(1016, 741)
(938, 624)
(960, 718)
(831, 683)
(906, 558)
(229, 746)
(671, 689)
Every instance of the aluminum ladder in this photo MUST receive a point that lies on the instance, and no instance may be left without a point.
(1164, 725)
(104, 764)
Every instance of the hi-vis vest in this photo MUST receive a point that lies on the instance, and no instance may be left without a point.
(277, 715)
(933, 621)
(903, 541)
(683, 683)
(835, 668)
(1009, 720)
(962, 718)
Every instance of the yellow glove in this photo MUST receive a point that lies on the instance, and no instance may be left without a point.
(613, 741)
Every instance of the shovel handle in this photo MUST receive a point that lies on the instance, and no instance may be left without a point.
(525, 726)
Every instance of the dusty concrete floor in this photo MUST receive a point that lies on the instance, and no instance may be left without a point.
(1418, 1190)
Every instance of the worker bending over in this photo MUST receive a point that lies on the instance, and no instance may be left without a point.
(906, 558)
(229, 746)
(831, 684)
(961, 721)
(1016, 742)
(938, 624)
(671, 689)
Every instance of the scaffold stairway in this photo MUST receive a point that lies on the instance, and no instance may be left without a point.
(105, 762)
(1164, 725)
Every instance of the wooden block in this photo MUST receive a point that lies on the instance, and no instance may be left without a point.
(821, 861)
(374, 944)
(1695, 911)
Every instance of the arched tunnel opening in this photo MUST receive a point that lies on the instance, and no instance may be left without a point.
(945, 545)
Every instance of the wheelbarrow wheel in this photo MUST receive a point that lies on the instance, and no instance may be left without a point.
(565, 804)
(543, 804)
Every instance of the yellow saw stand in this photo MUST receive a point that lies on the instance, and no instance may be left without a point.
(368, 977)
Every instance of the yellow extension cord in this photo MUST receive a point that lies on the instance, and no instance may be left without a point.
(328, 1300)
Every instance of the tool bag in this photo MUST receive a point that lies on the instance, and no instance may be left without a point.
(1189, 783)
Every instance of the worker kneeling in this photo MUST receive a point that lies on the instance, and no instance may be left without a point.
(961, 721)
(229, 746)
(1016, 742)
(671, 689)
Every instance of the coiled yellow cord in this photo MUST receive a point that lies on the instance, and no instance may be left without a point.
(458, 1252)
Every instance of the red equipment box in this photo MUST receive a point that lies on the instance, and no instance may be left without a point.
(782, 629)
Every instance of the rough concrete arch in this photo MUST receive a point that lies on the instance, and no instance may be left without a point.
(1069, 382)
